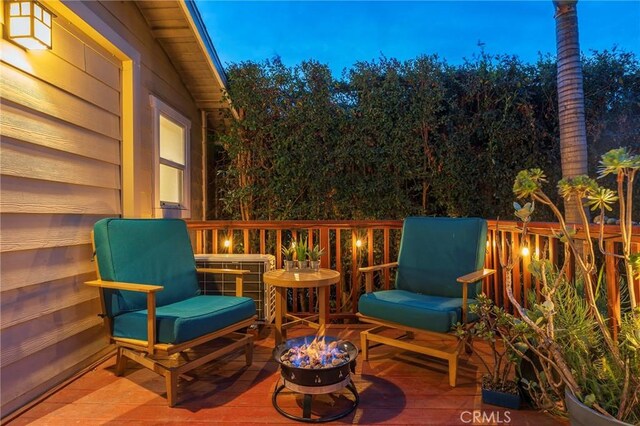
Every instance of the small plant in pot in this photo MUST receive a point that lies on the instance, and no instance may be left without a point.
(496, 328)
(314, 257)
(287, 253)
(301, 254)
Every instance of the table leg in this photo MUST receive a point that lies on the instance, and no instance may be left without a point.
(323, 314)
(281, 306)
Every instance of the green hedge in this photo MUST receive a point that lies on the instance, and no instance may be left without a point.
(390, 139)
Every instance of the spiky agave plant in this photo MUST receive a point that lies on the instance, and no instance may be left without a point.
(599, 368)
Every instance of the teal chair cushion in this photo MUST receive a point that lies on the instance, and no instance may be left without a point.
(424, 312)
(145, 251)
(187, 319)
(435, 251)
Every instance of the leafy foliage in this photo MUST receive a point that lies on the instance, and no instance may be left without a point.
(389, 139)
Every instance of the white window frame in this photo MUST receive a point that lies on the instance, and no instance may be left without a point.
(160, 208)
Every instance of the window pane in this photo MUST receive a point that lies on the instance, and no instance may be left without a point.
(170, 184)
(171, 141)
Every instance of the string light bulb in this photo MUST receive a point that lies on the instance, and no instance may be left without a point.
(358, 243)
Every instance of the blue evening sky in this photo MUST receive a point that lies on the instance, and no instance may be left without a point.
(341, 33)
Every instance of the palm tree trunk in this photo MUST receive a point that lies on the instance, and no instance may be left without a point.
(573, 132)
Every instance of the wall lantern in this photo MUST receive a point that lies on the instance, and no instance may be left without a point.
(29, 24)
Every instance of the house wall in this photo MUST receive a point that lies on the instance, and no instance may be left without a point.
(60, 172)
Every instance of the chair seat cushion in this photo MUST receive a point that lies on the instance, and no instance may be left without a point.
(187, 319)
(432, 313)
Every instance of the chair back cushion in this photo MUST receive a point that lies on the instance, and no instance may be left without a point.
(435, 251)
(145, 251)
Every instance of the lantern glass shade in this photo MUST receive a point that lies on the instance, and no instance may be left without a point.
(29, 25)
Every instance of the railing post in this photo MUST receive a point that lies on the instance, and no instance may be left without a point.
(526, 275)
(245, 234)
(354, 270)
(325, 261)
(515, 276)
(278, 249)
(537, 252)
(613, 291)
(339, 286)
(386, 255)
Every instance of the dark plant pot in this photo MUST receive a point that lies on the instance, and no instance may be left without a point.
(501, 399)
(581, 415)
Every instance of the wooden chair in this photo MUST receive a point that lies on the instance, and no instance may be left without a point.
(439, 272)
(152, 304)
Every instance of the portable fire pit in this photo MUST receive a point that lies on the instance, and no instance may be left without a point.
(312, 366)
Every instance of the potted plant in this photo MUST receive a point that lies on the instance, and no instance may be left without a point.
(314, 257)
(287, 253)
(301, 254)
(495, 327)
(583, 364)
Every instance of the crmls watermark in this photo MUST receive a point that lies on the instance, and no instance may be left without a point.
(480, 417)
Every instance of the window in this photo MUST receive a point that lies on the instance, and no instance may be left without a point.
(171, 161)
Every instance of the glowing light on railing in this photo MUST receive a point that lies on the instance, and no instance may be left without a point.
(29, 24)
(524, 251)
(227, 243)
(359, 243)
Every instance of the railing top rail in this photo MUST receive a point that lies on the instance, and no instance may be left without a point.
(540, 228)
(293, 224)
(553, 228)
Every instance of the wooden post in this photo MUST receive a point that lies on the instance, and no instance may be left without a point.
(339, 286)
(613, 291)
(386, 256)
(198, 241)
(215, 241)
(516, 273)
(505, 298)
(497, 282)
(278, 248)
(325, 261)
(538, 253)
(354, 271)
(247, 248)
(526, 275)
(263, 241)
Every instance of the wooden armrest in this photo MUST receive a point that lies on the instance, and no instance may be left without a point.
(369, 270)
(468, 279)
(224, 271)
(378, 267)
(475, 276)
(151, 290)
(238, 272)
(116, 285)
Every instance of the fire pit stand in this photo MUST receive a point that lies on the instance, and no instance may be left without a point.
(310, 382)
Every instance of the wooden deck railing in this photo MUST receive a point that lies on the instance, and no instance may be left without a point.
(352, 244)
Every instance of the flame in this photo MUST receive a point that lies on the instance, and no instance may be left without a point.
(317, 354)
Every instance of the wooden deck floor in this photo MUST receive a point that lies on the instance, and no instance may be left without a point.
(395, 387)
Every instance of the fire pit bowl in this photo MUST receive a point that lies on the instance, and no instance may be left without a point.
(316, 377)
(319, 379)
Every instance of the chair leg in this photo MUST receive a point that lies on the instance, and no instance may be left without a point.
(121, 362)
(248, 352)
(453, 371)
(171, 380)
(364, 345)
